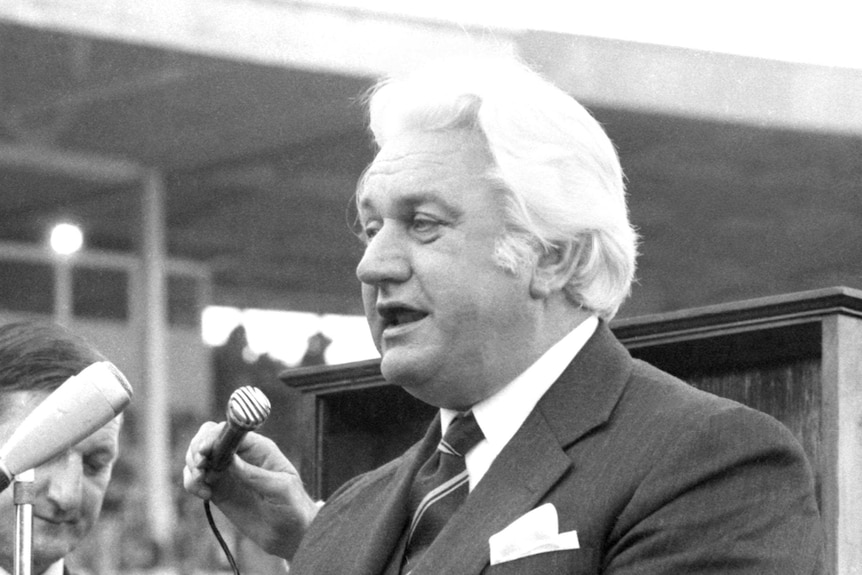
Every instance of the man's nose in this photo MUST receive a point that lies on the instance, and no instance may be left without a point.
(63, 476)
(386, 258)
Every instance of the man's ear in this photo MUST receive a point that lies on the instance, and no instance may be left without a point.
(554, 268)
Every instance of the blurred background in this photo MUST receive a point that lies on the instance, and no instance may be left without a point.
(176, 176)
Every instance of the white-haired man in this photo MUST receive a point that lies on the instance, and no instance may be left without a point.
(498, 247)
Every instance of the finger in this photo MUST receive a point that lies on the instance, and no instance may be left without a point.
(201, 444)
(193, 482)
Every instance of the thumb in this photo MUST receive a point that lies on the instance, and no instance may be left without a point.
(259, 478)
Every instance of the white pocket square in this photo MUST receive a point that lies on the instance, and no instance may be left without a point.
(532, 533)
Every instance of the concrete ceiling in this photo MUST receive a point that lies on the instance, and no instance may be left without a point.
(745, 176)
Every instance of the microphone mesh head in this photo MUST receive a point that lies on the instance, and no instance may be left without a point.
(248, 407)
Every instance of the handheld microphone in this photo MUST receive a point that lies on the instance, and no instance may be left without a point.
(81, 405)
(247, 409)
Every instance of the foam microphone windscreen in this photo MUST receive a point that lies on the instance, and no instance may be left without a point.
(81, 405)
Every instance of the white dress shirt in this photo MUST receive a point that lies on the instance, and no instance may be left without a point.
(54, 569)
(501, 415)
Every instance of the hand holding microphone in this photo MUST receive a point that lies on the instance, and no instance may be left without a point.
(265, 499)
(247, 409)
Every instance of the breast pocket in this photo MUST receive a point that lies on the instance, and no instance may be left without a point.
(569, 562)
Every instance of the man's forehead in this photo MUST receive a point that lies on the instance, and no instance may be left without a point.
(112, 428)
(16, 405)
(106, 436)
(423, 170)
(431, 149)
(404, 166)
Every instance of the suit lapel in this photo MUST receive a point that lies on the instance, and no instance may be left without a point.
(588, 390)
(534, 460)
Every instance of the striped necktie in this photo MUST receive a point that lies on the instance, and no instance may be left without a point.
(440, 486)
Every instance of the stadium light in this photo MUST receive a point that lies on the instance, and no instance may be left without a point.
(66, 239)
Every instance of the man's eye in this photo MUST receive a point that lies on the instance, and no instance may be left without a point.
(424, 225)
(96, 465)
(370, 230)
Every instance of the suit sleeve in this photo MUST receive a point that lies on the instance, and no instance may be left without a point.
(733, 495)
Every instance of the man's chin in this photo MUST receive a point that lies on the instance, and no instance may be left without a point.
(395, 369)
(421, 379)
(48, 549)
(402, 368)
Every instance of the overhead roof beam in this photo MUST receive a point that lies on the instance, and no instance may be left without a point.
(288, 34)
(79, 165)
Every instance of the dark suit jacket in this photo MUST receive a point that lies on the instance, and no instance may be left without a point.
(655, 476)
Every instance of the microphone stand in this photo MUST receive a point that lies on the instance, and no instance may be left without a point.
(23, 495)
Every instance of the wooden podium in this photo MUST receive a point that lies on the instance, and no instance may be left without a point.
(797, 357)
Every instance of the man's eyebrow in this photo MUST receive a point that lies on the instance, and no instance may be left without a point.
(413, 199)
(102, 448)
(99, 447)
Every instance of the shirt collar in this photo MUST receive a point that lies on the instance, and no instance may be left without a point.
(501, 415)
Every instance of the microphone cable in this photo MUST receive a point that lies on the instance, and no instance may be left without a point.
(220, 539)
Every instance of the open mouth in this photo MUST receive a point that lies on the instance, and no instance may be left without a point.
(398, 315)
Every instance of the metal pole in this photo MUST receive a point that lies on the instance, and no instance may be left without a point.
(153, 314)
(63, 290)
(23, 497)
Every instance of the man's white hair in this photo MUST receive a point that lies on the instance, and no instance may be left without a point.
(555, 167)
